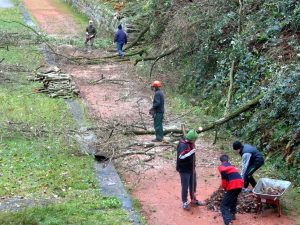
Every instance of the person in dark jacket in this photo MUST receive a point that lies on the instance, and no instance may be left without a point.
(90, 33)
(232, 183)
(120, 39)
(185, 165)
(158, 110)
(252, 160)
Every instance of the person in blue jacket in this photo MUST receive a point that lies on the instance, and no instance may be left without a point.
(120, 39)
(252, 160)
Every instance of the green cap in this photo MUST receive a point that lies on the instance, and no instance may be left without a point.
(192, 135)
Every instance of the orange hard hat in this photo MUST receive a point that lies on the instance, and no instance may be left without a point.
(156, 84)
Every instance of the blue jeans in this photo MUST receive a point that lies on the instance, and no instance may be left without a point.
(119, 48)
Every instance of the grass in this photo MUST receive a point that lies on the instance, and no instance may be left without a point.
(39, 156)
(78, 17)
(85, 209)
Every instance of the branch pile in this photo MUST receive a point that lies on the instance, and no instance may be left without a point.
(56, 84)
(246, 202)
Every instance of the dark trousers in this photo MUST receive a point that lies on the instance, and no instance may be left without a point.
(248, 177)
(158, 125)
(228, 204)
(187, 182)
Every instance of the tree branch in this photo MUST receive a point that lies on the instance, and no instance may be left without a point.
(229, 94)
(215, 124)
(234, 114)
(157, 57)
(138, 38)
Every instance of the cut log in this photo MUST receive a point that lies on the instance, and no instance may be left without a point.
(56, 84)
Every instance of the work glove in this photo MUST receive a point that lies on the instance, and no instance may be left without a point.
(151, 112)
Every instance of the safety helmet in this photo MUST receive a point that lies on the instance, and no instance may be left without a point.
(156, 84)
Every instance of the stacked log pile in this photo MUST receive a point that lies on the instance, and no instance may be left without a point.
(56, 84)
(246, 202)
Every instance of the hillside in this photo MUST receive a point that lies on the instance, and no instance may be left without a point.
(222, 54)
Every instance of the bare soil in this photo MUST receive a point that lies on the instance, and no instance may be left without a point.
(156, 185)
(53, 19)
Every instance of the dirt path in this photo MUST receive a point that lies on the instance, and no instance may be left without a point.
(52, 18)
(158, 187)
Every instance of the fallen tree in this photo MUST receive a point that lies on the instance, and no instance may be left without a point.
(234, 114)
(143, 132)
(212, 126)
(138, 37)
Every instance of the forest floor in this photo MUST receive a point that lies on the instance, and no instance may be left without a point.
(156, 185)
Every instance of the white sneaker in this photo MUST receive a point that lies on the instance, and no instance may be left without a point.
(185, 206)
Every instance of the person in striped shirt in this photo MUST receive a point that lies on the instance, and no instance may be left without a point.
(232, 183)
(185, 165)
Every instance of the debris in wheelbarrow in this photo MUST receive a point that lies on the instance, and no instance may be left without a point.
(272, 190)
(264, 190)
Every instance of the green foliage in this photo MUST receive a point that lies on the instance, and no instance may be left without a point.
(83, 209)
(110, 203)
(283, 171)
(265, 55)
(295, 18)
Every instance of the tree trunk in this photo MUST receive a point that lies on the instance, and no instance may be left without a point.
(234, 114)
(231, 75)
(229, 94)
(215, 124)
(138, 38)
(157, 57)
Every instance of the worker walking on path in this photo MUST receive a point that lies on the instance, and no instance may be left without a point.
(232, 182)
(90, 33)
(185, 165)
(252, 160)
(157, 111)
(120, 39)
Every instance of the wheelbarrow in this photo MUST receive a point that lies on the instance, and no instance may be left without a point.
(269, 198)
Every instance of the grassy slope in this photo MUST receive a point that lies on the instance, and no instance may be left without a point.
(39, 158)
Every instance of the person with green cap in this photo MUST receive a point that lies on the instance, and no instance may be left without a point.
(185, 165)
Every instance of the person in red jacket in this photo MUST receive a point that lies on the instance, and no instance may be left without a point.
(233, 183)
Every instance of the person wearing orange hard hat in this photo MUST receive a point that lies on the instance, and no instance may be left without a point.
(157, 110)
